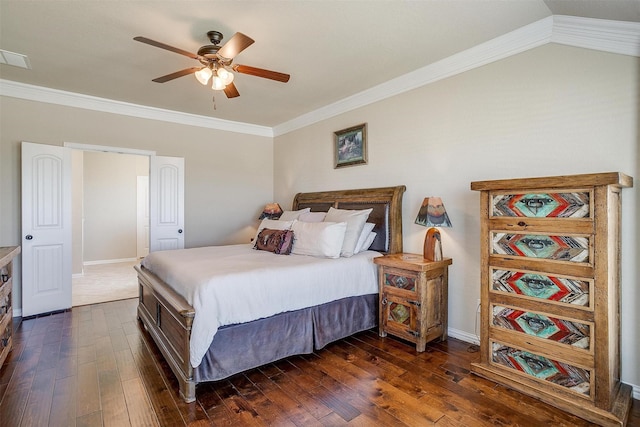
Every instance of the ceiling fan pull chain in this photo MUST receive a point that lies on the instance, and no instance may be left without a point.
(213, 98)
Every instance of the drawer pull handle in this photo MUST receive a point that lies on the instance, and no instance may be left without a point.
(522, 224)
(536, 284)
(536, 244)
(29, 237)
(384, 301)
(536, 203)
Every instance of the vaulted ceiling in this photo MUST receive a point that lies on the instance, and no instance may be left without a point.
(333, 50)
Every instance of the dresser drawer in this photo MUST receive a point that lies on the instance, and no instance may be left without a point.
(5, 298)
(541, 369)
(556, 290)
(541, 204)
(568, 332)
(551, 247)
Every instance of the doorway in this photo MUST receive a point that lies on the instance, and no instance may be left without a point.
(47, 255)
(110, 223)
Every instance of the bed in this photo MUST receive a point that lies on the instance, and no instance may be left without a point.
(169, 318)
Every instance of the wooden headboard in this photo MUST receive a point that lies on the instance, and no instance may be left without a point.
(386, 215)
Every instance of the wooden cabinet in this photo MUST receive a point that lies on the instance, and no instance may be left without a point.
(550, 296)
(413, 297)
(6, 287)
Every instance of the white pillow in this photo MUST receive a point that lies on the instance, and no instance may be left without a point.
(355, 220)
(368, 242)
(368, 228)
(273, 224)
(312, 216)
(291, 215)
(321, 239)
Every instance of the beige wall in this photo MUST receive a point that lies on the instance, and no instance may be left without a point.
(228, 176)
(77, 159)
(110, 205)
(551, 111)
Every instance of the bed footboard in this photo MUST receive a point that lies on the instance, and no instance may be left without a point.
(168, 318)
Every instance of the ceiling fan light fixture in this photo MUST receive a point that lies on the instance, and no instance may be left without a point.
(203, 75)
(226, 76)
(217, 83)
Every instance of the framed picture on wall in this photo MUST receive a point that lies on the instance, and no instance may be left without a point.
(350, 146)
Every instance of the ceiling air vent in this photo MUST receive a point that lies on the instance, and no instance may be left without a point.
(15, 59)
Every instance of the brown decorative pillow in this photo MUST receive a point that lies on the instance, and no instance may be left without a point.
(277, 241)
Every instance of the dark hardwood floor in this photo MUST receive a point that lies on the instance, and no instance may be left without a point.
(95, 366)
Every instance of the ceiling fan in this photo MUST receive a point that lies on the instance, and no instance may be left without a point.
(216, 63)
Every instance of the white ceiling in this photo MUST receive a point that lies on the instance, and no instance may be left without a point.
(331, 49)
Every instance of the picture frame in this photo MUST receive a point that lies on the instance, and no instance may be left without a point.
(350, 146)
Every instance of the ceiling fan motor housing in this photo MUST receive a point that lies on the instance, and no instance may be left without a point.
(215, 37)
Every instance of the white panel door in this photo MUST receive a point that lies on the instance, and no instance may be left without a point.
(46, 228)
(166, 209)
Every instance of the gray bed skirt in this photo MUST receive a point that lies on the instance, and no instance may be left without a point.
(237, 348)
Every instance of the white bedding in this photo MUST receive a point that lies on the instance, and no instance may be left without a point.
(236, 284)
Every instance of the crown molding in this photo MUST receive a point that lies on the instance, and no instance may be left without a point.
(598, 34)
(70, 99)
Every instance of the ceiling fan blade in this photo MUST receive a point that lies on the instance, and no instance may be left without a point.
(165, 46)
(175, 75)
(235, 45)
(231, 91)
(260, 72)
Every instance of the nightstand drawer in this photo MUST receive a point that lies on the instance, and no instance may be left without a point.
(399, 279)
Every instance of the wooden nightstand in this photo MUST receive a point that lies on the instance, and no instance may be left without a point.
(413, 297)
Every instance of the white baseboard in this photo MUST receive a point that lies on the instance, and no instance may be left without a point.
(463, 336)
(472, 338)
(109, 261)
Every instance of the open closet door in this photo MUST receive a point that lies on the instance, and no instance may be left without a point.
(46, 228)
(166, 210)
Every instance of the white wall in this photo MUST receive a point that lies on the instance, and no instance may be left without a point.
(553, 110)
(228, 176)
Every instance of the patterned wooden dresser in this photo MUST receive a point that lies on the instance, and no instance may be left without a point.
(7, 253)
(550, 296)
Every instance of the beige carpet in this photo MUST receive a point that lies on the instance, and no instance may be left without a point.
(105, 282)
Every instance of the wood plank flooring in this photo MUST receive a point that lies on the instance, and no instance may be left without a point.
(95, 366)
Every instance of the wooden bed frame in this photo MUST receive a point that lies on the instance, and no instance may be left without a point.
(168, 317)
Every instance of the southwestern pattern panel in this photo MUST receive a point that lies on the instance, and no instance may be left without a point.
(558, 248)
(399, 281)
(562, 331)
(542, 205)
(562, 374)
(550, 288)
(400, 314)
